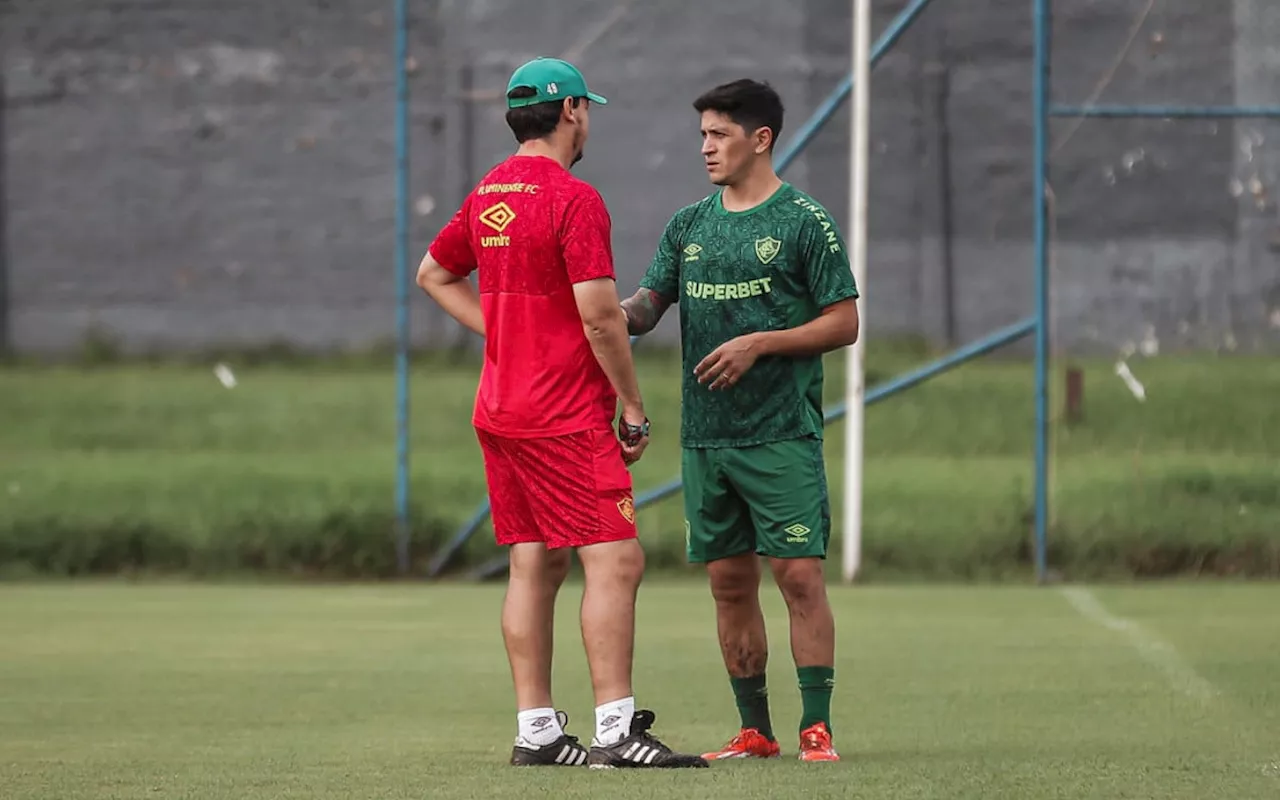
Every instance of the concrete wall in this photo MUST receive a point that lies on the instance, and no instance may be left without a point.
(183, 173)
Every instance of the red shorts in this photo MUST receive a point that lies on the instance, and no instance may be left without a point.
(562, 491)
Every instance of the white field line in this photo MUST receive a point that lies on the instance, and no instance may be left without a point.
(1154, 651)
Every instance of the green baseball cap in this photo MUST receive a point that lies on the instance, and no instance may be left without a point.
(551, 79)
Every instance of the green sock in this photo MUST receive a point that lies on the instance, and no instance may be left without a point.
(753, 703)
(816, 684)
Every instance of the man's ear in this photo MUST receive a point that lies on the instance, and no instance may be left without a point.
(764, 139)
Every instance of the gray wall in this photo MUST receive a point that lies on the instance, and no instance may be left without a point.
(184, 173)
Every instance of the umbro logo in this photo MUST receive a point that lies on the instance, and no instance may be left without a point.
(797, 533)
(497, 216)
(691, 252)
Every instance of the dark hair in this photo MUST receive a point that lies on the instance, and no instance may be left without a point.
(536, 121)
(751, 104)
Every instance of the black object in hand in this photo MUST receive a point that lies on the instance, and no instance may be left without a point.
(632, 434)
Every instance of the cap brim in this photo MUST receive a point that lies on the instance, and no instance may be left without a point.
(595, 98)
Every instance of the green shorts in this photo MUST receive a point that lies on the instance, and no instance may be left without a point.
(770, 499)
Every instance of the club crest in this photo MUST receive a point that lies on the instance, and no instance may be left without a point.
(627, 508)
(767, 249)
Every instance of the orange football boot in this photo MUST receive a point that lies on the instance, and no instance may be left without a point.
(815, 744)
(749, 743)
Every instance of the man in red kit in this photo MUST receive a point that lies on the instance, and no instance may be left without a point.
(557, 361)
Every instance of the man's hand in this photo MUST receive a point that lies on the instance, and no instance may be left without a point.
(836, 326)
(725, 366)
(633, 433)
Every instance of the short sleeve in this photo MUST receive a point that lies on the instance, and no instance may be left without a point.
(826, 262)
(663, 275)
(585, 231)
(452, 246)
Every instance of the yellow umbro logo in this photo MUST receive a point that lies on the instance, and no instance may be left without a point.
(691, 252)
(497, 216)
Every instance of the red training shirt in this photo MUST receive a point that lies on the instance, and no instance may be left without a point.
(533, 230)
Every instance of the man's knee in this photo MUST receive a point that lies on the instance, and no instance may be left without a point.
(535, 564)
(800, 580)
(558, 562)
(620, 562)
(630, 563)
(736, 580)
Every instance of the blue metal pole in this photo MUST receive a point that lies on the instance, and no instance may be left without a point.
(493, 568)
(828, 107)
(1166, 112)
(442, 559)
(992, 341)
(402, 285)
(1040, 100)
(4, 227)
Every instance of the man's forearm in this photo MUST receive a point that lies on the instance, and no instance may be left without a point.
(612, 350)
(643, 310)
(835, 329)
(460, 301)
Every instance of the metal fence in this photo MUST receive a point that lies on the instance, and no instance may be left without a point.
(182, 176)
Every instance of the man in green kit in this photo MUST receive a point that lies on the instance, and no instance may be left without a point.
(763, 281)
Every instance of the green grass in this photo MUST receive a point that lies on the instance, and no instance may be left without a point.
(159, 466)
(238, 692)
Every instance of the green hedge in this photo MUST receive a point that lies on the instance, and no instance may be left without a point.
(345, 545)
(158, 468)
(339, 546)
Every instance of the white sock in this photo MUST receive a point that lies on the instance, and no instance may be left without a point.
(613, 721)
(539, 727)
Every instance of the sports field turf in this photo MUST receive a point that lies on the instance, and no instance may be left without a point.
(176, 691)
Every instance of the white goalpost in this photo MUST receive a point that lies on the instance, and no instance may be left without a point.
(855, 384)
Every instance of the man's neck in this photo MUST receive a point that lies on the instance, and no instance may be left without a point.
(757, 187)
(547, 148)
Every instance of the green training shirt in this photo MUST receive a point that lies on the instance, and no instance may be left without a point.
(772, 267)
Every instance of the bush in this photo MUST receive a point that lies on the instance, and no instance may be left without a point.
(339, 545)
(158, 468)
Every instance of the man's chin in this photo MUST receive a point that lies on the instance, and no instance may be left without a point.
(576, 158)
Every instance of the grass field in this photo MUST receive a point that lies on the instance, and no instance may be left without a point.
(179, 691)
(158, 467)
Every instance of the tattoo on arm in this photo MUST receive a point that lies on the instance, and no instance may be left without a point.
(644, 309)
